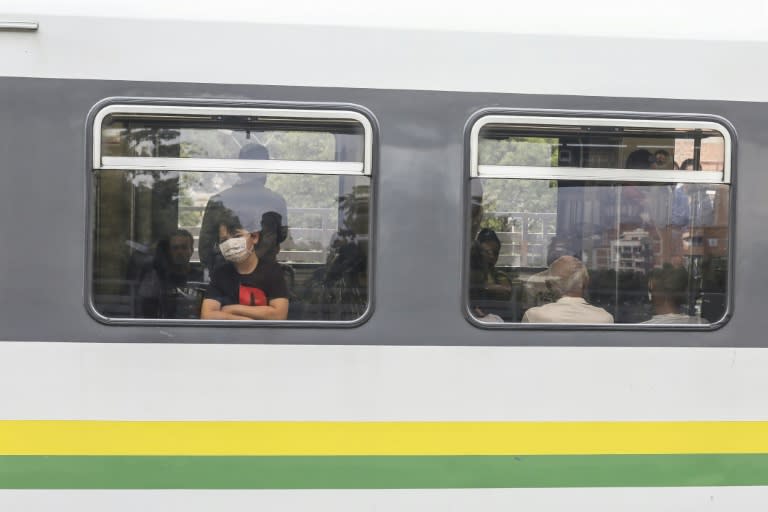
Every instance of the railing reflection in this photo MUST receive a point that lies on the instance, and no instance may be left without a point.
(524, 237)
(309, 233)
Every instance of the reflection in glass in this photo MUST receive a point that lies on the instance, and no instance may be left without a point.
(601, 147)
(217, 137)
(625, 234)
(144, 267)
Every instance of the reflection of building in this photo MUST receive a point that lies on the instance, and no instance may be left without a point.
(638, 250)
(634, 250)
(709, 241)
(711, 155)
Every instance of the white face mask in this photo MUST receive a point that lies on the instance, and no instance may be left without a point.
(234, 249)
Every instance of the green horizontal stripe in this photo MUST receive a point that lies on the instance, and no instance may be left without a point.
(381, 472)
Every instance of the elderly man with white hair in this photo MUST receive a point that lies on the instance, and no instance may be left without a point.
(570, 277)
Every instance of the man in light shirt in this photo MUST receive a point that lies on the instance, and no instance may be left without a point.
(570, 277)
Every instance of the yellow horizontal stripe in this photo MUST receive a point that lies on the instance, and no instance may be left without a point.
(378, 438)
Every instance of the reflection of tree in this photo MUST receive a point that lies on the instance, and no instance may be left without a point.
(305, 190)
(539, 196)
(299, 191)
(134, 209)
(338, 291)
(208, 144)
(296, 145)
(524, 196)
(147, 179)
(519, 151)
(151, 141)
(188, 216)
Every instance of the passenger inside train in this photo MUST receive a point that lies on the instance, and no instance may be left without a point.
(571, 279)
(625, 202)
(248, 286)
(249, 193)
(668, 290)
(241, 167)
(171, 286)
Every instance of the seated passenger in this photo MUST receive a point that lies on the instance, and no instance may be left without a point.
(641, 159)
(171, 287)
(496, 284)
(668, 289)
(661, 160)
(339, 290)
(539, 288)
(247, 286)
(490, 288)
(571, 278)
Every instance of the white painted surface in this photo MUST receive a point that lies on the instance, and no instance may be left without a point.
(691, 499)
(598, 49)
(558, 47)
(258, 382)
(695, 19)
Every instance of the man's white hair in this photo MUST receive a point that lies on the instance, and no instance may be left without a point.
(575, 280)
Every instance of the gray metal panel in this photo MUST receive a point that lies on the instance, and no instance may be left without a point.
(419, 217)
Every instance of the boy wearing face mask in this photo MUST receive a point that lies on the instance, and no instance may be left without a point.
(249, 286)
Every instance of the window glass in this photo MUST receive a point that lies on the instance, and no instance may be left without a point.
(164, 239)
(221, 137)
(599, 251)
(608, 150)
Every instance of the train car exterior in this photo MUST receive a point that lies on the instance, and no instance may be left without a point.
(388, 385)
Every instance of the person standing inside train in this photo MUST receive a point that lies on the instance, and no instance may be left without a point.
(247, 196)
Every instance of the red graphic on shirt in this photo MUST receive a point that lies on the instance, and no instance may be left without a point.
(251, 296)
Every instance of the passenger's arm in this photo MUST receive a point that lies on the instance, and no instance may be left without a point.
(212, 310)
(276, 310)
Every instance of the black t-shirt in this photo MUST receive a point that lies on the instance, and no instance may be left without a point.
(264, 284)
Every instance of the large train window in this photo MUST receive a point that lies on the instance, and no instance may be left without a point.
(598, 221)
(216, 214)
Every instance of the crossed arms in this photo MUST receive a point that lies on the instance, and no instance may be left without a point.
(277, 309)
